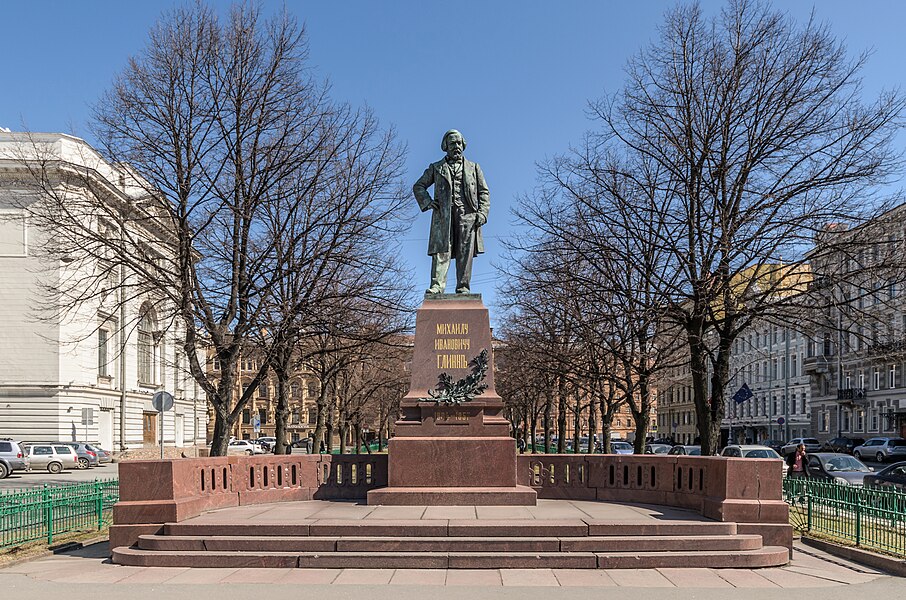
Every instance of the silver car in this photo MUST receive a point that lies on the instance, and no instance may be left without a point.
(753, 451)
(53, 457)
(881, 449)
(811, 445)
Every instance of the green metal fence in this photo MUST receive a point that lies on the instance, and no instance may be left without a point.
(872, 518)
(42, 513)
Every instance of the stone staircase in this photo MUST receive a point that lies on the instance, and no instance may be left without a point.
(452, 544)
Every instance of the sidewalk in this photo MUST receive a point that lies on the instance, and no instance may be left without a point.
(87, 573)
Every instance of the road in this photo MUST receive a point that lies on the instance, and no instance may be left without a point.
(36, 479)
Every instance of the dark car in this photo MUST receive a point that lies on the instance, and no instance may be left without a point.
(686, 450)
(836, 467)
(87, 456)
(842, 444)
(775, 445)
(657, 448)
(893, 477)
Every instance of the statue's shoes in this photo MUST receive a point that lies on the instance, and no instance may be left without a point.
(433, 291)
(462, 290)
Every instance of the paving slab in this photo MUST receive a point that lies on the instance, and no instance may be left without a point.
(262, 575)
(201, 575)
(153, 575)
(476, 577)
(528, 578)
(364, 577)
(745, 578)
(449, 512)
(790, 579)
(504, 512)
(694, 578)
(583, 578)
(639, 578)
(419, 577)
(396, 512)
(311, 576)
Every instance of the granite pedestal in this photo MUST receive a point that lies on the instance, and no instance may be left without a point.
(451, 454)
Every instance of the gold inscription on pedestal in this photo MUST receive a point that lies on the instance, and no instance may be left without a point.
(457, 344)
(450, 417)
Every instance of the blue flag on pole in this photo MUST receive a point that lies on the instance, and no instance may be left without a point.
(743, 394)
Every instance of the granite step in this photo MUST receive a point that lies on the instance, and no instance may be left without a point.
(453, 527)
(638, 543)
(762, 557)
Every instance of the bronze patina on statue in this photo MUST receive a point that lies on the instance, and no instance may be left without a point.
(464, 390)
(460, 207)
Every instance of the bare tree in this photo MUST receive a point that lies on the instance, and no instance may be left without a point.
(733, 143)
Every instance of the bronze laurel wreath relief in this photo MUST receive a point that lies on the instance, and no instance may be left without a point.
(463, 390)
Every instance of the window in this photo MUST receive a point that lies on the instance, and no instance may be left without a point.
(825, 420)
(846, 420)
(860, 420)
(892, 377)
(793, 403)
(13, 233)
(803, 411)
(295, 390)
(146, 349)
(216, 364)
(312, 389)
(102, 352)
(246, 416)
(312, 415)
(862, 380)
(296, 417)
(793, 366)
(263, 390)
(876, 383)
(262, 415)
(874, 419)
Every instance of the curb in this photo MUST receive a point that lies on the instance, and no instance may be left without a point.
(890, 565)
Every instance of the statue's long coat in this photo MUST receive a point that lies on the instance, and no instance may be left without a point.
(475, 196)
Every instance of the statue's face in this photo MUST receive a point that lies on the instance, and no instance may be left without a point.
(455, 146)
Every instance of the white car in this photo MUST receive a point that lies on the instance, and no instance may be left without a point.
(753, 451)
(244, 447)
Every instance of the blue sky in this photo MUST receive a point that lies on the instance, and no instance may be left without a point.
(513, 76)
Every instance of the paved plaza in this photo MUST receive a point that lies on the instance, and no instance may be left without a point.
(89, 573)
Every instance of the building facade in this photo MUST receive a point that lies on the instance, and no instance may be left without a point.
(857, 356)
(769, 360)
(88, 372)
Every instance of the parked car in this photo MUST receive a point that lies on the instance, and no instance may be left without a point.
(842, 444)
(892, 477)
(12, 458)
(811, 445)
(657, 448)
(244, 447)
(775, 445)
(104, 456)
(753, 451)
(881, 449)
(683, 450)
(299, 446)
(617, 447)
(837, 467)
(269, 442)
(53, 457)
(87, 456)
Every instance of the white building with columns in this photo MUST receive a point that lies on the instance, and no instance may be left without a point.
(86, 373)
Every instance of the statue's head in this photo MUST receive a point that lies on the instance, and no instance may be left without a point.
(453, 144)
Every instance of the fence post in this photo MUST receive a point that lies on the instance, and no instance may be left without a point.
(48, 514)
(99, 502)
(808, 511)
(858, 524)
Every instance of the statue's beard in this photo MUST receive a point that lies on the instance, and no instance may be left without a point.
(455, 155)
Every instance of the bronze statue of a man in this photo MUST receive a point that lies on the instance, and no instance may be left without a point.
(460, 204)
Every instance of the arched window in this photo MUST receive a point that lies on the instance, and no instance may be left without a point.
(146, 350)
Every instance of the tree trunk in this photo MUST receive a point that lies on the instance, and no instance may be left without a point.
(281, 413)
(548, 409)
(592, 426)
(561, 415)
